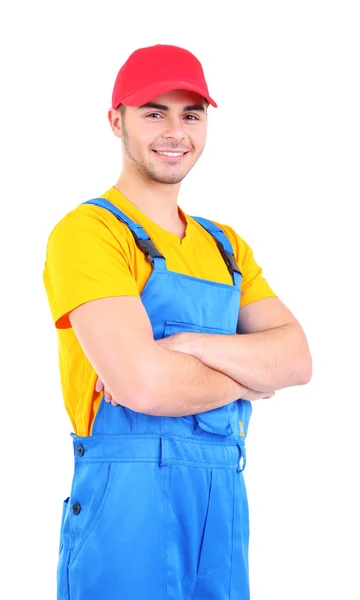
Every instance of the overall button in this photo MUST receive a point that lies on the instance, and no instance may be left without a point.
(80, 450)
(76, 508)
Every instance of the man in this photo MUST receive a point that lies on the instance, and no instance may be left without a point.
(158, 363)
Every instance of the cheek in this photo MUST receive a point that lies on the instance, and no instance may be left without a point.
(139, 135)
(144, 140)
(199, 137)
(199, 142)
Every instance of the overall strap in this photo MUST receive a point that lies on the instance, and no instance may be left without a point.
(224, 246)
(142, 239)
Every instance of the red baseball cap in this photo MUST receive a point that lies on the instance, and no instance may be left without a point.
(152, 71)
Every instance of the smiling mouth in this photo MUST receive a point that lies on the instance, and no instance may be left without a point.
(170, 155)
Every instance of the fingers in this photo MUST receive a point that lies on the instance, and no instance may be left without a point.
(99, 385)
(108, 398)
(107, 395)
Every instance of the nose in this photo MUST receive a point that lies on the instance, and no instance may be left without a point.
(174, 129)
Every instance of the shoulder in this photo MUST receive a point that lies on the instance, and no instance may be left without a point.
(89, 222)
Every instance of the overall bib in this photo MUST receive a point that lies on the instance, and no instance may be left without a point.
(158, 506)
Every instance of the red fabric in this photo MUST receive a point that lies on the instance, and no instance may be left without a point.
(152, 71)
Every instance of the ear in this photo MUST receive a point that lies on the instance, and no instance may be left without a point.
(114, 118)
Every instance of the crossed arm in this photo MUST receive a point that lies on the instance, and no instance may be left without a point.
(272, 352)
(189, 373)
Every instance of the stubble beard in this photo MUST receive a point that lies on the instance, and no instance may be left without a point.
(147, 169)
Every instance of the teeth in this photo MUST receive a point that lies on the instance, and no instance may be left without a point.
(171, 153)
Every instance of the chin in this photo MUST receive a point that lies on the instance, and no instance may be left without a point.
(168, 180)
(165, 176)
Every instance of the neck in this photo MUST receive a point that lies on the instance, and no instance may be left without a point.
(156, 200)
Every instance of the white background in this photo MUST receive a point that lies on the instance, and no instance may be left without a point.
(282, 167)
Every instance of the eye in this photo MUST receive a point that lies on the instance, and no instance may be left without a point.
(192, 118)
(153, 115)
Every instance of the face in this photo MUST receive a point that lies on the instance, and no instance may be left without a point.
(164, 138)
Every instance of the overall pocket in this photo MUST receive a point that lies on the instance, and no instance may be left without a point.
(64, 552)
(172, 327)
(65, 505)
(91, 486)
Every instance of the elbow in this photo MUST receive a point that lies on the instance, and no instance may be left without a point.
(147, 389)
(142, 403)
(153, 397)
(145, 400)
(138, 400)
(146, 405)
(305, 371)
(303, 362)
(299, 372)
(135, 397)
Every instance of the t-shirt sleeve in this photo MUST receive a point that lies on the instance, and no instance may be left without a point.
(254, 286)
(84, 262)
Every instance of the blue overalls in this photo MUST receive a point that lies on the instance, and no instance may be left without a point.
(158, 507)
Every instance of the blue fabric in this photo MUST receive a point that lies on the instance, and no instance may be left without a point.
(158, 507)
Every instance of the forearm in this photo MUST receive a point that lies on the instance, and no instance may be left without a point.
(263, 361)
(178, 384)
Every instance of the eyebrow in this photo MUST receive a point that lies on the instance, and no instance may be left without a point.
(191, 107)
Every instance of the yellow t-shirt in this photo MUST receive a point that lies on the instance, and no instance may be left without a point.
(91, 254)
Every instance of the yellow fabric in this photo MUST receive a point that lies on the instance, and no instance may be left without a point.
(90, 255)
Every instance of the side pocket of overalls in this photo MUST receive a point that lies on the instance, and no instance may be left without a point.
(65, 505)
(62, 568)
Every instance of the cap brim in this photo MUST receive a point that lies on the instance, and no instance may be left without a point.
(149, 93)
